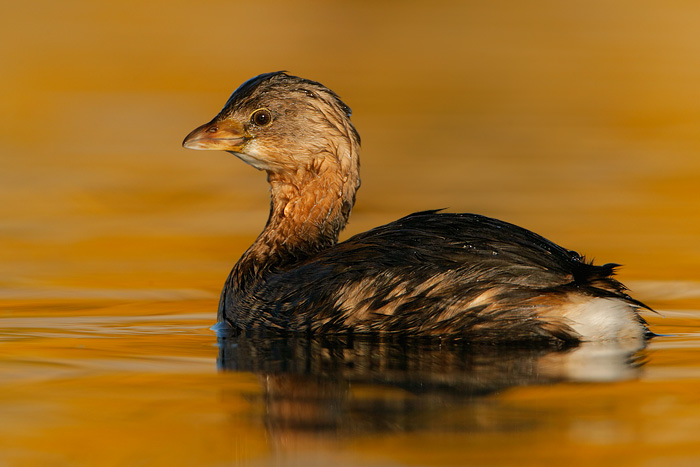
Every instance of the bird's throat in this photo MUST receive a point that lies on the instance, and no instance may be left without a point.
(309, 208)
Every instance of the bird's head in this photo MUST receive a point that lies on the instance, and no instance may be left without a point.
(281, 123)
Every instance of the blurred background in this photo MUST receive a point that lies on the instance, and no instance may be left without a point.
(579, 120)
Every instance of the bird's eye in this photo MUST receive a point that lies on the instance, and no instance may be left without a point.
(261, 117)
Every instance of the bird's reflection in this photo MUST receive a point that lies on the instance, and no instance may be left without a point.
(344, 384)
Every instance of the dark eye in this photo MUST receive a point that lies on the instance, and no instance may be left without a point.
(261, 117)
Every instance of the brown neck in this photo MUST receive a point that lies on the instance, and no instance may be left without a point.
(309, 208)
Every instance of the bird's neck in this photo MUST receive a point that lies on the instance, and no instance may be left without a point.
(309, 207)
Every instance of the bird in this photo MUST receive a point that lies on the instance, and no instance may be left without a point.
(429, 274)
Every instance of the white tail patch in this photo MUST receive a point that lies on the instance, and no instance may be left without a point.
(602, 319)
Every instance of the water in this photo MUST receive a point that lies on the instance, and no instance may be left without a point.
(578, 122)
(147, 383)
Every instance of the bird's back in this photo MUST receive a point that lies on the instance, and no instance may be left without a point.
(432, 273)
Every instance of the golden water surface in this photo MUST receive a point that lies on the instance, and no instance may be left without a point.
(579, 120)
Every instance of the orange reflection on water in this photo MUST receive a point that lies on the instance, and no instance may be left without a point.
(576, 121)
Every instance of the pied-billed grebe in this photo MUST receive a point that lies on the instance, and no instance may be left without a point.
(428, 274)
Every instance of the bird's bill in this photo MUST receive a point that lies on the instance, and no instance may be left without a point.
(223, 136)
